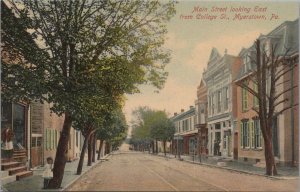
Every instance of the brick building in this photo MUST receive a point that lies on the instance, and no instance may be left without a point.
(286, 125)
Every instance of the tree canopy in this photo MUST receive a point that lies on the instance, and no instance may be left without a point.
(78, 49)
(151, 125)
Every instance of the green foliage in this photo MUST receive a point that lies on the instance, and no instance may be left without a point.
(162, 128)
(86, 48)
(151, 124)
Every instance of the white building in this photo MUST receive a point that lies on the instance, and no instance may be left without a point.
(218, 78)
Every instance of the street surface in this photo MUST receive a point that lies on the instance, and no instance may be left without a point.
(134, 171)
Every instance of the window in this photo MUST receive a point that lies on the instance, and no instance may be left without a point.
(209, 105)
(213, 104)
(251, 134)
(219, 101)
(51, 139)
(258, 134)
(245, 139)
(244, 99)
(255, 99)
(226, 101)
(48, 139)
(56, 139)
(18, 124)
(36, 141)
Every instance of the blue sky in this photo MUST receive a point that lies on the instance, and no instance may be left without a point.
(191, 42)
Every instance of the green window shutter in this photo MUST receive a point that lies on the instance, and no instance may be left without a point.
(255, 99)
(247, 134)
(55, 138)
(45, 139)
(52, 138)
(260, 134)
(252, 134)
(244, 99)
(49, 140)
(242, 135)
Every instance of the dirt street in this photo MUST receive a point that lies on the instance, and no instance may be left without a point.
(135, 171)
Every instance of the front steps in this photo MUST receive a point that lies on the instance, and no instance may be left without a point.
(14, 168)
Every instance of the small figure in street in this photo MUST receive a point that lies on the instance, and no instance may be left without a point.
(48, 174)
(218, 147)
(215, 147)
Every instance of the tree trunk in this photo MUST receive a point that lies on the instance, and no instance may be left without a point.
(156, 146)
(94, 147)
(100, 148)
(164, 143)
(60, 157)
(90, 151)
(80, 164)
(153, 147)
(271, 168)
(106, 148)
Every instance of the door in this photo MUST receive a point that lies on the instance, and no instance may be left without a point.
(235, 147)
(19, 125)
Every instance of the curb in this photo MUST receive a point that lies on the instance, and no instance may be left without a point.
(82, 174)
(236, 170)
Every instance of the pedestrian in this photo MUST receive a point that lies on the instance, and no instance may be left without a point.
(215, 147)
(48, 174)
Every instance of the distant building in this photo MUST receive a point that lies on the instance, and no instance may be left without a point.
(45, 134)
(286, 126)
(185, 137)
(221, 70)
(201, 118)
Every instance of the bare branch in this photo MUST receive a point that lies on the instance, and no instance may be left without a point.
(256, 110)
(249, 89)
(279, 102)
(281, 83)
(283, 92)
(284, 109)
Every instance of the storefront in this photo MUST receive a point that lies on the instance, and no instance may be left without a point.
(14, 116)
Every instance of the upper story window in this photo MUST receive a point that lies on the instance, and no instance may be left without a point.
(255, 99)
(226, 99)
(245, 135)
(219, 101)
(244, 98)
(213, 104)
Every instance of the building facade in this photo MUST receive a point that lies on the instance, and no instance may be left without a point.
(218, 77)
(45, 134)
(185, 137)
(285, 128)
(201, 118)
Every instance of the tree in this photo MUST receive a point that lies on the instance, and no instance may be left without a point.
(151, 125)
(162, 128)
(89, 120)
(113, 129)
(270, 68)
(117, 44)
(141, 127)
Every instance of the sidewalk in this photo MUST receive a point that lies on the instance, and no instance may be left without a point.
(35, 182)
(232, 165)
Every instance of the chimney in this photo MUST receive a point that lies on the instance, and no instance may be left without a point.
(182, 110)
(175, 114)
